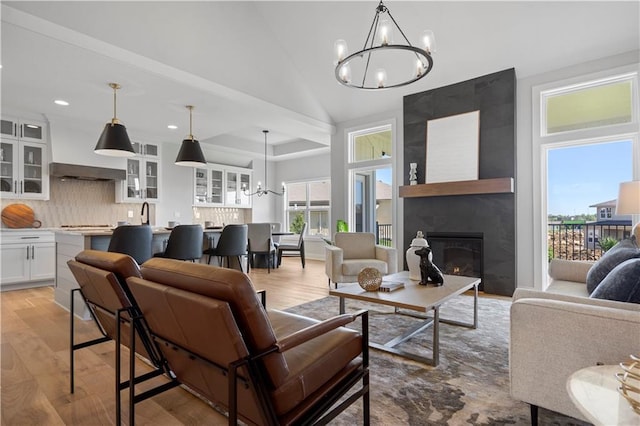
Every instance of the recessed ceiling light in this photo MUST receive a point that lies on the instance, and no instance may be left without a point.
(172, 126)
(61, 102)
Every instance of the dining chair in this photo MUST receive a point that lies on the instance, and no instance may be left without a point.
(293, 249)
(232, 243)
(260, 242)
(134, 240)
(185, 243)
(276, 227)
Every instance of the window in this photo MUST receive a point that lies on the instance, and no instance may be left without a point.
(372, 144)
(309, 202)
(371, 207)
(588, 105)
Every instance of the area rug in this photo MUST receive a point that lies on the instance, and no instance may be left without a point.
(470, 386)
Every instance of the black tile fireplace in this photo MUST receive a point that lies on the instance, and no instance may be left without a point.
(458, 253)
(490, 214)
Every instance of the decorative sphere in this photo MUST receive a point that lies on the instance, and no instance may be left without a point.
(370, 279)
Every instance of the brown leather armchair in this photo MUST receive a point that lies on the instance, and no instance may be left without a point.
(263, 366)
(101, 276)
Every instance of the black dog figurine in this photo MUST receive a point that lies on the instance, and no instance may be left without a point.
(428, 271)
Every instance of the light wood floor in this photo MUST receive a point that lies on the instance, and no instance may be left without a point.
(34, 380)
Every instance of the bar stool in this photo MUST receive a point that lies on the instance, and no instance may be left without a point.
(134, 240)
(232, 243)
(185, 243)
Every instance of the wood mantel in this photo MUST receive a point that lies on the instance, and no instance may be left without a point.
(466, 187)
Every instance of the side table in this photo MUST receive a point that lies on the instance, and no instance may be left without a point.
(594, 391)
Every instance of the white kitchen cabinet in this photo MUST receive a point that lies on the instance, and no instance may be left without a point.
(236, 183)
(24, 170)
(28, 259)
(23, 129)
(143, 176)
(209, 186)
(24, 161)
(216, 185)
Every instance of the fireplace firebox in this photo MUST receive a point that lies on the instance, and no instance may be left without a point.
(457, 253)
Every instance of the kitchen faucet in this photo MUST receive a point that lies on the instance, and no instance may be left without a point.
(145, 204)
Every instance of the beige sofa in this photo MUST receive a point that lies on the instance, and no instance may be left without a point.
(559, 331)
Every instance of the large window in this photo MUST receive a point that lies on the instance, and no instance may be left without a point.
(586, 129)
(371, 207)
(309, 202)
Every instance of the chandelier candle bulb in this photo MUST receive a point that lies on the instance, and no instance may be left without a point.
(385, 31)
(340, 47)
(428, 41)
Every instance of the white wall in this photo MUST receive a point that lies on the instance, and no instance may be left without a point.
(529, 244)
(339, 173)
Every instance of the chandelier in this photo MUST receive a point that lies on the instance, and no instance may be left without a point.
(380, 50)
(259, 190)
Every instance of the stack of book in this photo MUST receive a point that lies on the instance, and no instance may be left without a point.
(390, 286)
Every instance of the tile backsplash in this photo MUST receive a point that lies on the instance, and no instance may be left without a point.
(80, 202)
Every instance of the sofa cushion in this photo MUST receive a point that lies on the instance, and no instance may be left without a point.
(624, 250)
(353, 267)
(621, 284)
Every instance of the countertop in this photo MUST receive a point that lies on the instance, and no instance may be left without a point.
(92, 231)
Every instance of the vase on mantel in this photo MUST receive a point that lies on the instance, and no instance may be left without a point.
(413, 260)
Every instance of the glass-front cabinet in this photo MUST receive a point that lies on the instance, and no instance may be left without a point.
(208, 186)
(23, 129)
(23, 170)
(217, 185)
(143, 175)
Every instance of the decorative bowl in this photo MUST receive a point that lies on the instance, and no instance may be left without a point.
(370, 279)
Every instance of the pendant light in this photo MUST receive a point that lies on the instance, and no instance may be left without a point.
(190, 153)
(114, 140)
(260, 191)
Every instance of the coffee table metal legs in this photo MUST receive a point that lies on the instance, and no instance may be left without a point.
(429, 321)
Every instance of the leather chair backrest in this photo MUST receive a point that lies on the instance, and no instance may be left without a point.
(185, 242)
(232, 287)
(356, 245)
(101, 276)
(134, 240)
(202, 325)
(233, 241)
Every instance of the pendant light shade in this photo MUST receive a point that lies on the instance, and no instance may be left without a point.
(190, 153)
(114, 140)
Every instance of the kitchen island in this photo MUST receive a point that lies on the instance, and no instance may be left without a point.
(70, 242)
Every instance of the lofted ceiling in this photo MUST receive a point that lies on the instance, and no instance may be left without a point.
(248, 66)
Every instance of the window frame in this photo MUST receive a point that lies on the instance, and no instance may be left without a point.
(308, 208)
(541, 143)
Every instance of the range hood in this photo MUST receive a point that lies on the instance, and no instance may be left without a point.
(76, 171)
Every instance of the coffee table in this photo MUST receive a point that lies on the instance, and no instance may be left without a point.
(418, 298)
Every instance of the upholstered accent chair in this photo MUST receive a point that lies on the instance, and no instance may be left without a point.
(264, 366)
(352, 251)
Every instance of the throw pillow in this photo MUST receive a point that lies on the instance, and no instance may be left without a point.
(624, 250)
(621, 284)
